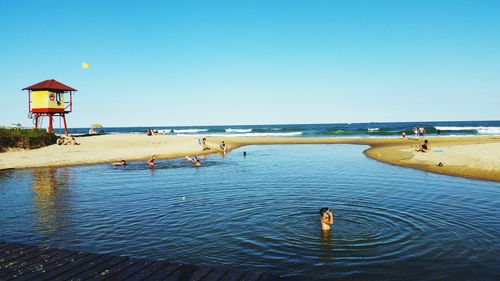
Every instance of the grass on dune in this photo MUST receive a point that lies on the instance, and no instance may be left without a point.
(25, 138)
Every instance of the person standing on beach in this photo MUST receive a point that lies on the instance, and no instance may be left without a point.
(421, 132)
(326, 219)
(415, 132)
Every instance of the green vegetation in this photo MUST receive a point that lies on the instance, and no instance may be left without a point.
(27, 139)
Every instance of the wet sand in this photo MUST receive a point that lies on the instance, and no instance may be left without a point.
(471, 157)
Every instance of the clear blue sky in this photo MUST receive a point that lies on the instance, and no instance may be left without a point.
(254, 62)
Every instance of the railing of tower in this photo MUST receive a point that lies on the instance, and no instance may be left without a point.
(69, 104)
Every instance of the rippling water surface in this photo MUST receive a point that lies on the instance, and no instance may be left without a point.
(261, 212)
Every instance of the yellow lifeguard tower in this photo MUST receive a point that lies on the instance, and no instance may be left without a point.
(49, 98)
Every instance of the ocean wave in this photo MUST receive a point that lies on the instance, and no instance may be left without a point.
(164, 132)
(290, 134)
(481, 130)
(238, 130)
(373, 129)
(183, 131)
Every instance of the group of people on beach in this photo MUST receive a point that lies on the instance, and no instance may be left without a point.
(150, 132)
(419, 132)
(204, 146)
(66, 141)
(197, 163)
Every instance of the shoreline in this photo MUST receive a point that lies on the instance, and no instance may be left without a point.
(476, 157)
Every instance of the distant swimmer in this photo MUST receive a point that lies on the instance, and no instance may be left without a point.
(194, 160)
(326, 218)
(244, 154)
(151, 162)
(122, 163)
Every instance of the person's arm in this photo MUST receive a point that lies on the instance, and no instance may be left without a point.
(327, 218)
(330, 217)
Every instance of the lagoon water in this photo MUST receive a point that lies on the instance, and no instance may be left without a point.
(261, 212)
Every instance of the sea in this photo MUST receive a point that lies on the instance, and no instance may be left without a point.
(370, 130)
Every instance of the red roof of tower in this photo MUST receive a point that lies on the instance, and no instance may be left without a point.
(50, 85)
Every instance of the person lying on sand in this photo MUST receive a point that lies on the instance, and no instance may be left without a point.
(425, 147)
(73, 141)
(151, 162)
(326, 219)
(61, 141)
(122, 163)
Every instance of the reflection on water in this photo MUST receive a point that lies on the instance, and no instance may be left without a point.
(326, 245)
(50, 187)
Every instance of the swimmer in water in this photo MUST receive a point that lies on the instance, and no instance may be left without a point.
(326, 219)
(195, 160)
(122, 163)
(151, 162)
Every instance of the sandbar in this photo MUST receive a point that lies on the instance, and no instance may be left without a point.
(475, 157)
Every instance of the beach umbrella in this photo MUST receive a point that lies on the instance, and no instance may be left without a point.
(95, 126)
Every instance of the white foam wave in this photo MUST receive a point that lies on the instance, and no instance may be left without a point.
(290, 134)
(238, 130)
(481, 130)
(188, 131)
(164, 132)
(373, 129)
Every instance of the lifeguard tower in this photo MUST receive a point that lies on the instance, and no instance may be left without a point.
(49, 98)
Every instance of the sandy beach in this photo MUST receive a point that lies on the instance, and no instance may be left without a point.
(471, 157)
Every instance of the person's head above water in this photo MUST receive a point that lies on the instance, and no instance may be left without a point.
(322, 211)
